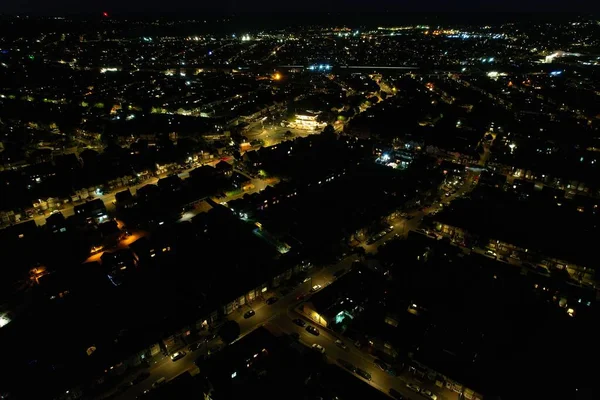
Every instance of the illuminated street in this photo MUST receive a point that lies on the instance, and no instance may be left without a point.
(278, 317)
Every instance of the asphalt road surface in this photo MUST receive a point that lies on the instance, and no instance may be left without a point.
(278, 318)
(109, 198)
(275, 134)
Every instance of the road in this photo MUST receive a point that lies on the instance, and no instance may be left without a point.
(280, 315)
(401, 226)
(258, 185)
(279, 318)
(264, 313)
(272, 135)
(109, 198)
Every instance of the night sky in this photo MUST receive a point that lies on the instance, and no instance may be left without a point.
(154, 6)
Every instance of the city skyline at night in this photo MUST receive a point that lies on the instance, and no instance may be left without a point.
(236, 199)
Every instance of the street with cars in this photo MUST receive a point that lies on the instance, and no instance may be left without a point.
(279, 311)
(280, 314)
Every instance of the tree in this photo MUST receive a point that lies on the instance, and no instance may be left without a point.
(326, 116)
(229, 331)
(360, 251)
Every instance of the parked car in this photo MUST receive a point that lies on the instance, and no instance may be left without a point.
(299, 322)
(339, 273)
(341, 344)
(272, 300)
(142, 376)
(346, 364)
(194, 346)
(396, 394)
(122, 388)
(414, 387)
(429, 394)
(319, 348)
(315, 288)
(363, 373)
(542, 270)
(490, 253)
(380, 364)
(313, 330)
(528, 265)
(178, 355)
(249, 313)
(215, 349)
(159, 382)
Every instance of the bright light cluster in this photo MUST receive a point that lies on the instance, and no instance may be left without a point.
(320, 67)
(4, 320)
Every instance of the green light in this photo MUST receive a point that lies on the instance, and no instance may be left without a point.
(31, 57)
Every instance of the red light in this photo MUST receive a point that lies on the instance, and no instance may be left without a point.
(105, 14)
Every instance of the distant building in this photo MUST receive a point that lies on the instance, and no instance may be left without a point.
(94, 210)
(171, 183)
(144, 249)
(308, 121)
(342, 300)
(147, 193)
(205, 171)
(224, 168)
(125, 199)
(56, 222)
(25, 230)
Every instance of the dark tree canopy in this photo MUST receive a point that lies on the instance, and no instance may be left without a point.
(229, 331)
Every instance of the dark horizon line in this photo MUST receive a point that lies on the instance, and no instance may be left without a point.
(221, 13)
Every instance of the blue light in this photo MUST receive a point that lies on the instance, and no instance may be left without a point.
(111, 280)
